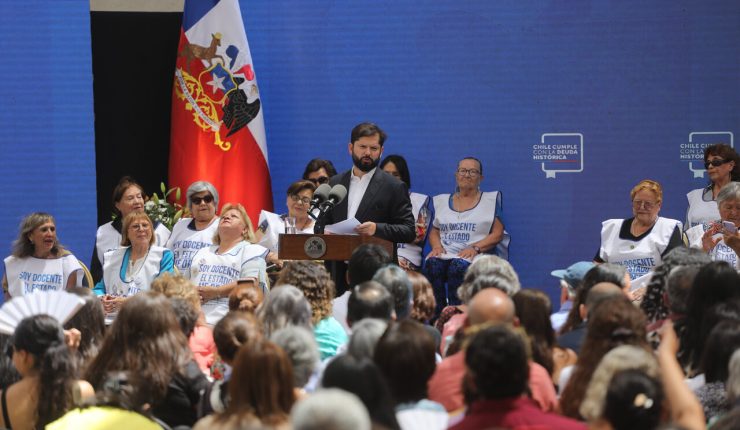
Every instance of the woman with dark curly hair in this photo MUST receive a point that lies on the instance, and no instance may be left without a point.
(316, 284)
(48, 387)
(613, 322)
(146, 339)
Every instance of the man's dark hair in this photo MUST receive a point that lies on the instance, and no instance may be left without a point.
(398, 284)
(369, 300)
(367, 129)
(365, 261)
(497, 363)
(186, 315)
(318, 163)
(678, 286)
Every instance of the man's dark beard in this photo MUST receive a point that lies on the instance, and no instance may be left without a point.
(364, 167)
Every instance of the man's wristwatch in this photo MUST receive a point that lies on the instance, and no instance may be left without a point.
(476, 248)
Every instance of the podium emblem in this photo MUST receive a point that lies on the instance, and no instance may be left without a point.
(315, 247)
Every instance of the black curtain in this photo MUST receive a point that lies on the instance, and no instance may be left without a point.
(133, 60)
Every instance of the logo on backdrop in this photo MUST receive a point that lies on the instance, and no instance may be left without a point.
(559, 153)
(216, 96)
(693, 151)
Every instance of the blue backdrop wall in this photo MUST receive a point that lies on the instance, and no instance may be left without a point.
(635, 87)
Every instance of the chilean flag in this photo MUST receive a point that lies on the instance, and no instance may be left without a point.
(218, 131)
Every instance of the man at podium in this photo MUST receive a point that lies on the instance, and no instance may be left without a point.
(376, 199)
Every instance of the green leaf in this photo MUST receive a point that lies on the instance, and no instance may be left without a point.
(178, 194)
(162, 187)
(155, 198)
(178, 215)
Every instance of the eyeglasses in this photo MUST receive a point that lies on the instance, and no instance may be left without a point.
(716, 162)
(143, 226)
(637, 204)
(320, 180)
(298, 199)
(198, 200)
(473, 173)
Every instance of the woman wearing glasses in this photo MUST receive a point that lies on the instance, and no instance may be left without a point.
(191, 234)
(714, 238)
(466, 224)
(272, 225)
(128, 197)
(723, 166)
(640, 243)
(132, 267)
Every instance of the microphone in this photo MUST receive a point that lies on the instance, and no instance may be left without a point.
(337, 194)
(320, 196)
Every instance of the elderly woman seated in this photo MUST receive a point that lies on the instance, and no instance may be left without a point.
(720, 239)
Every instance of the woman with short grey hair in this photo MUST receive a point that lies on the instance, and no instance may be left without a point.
(303, 353)
(720, 239)
(284, 306)
(191, 234)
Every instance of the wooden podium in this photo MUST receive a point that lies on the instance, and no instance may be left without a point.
(328, 247)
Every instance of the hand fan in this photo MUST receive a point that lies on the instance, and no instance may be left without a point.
(58, 304)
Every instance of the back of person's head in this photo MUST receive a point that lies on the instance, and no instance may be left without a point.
(600, 292)
(177, 286)
(145, 338)
(533, 310)
(405, 356)
(8, 373)
(600, 273)
(123, 390)
(314, 282)
(723, 340)
(716, 282)
(265, 387)
(398, 284)
(424, 303)
(187, 315)
(42, 337)
(90, 321)
(235, 329)
(365, 335)
(488, 271)
(284, 306)
(612, 322)
(633, 401)
(369, 300)
(491, 305)
(618, 359)
(678, 286)
(330, 409)
(496, 361)
(300, 345)
(365, 261)
(246, 298)
(363, 379)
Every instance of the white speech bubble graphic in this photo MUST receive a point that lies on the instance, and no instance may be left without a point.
(699, 173)
(550, 173)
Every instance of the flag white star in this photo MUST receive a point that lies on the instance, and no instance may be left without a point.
(217, 83)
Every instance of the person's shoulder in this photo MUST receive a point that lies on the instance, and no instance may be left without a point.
(339, 178)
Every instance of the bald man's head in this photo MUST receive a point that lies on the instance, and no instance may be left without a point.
(491, 305)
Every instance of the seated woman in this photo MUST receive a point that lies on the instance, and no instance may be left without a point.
(639, 243)
(271, 225)
(132, 268)
(39, 261)
(410, 254)
(264, 395)
(316, 284)
(128, 196)
(710, 237)
(48, 387)
(217, 269)
(466, 224)
(191, 234)
(146, 340)
(723, 166)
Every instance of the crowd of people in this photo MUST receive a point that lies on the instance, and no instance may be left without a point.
(207, 327)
